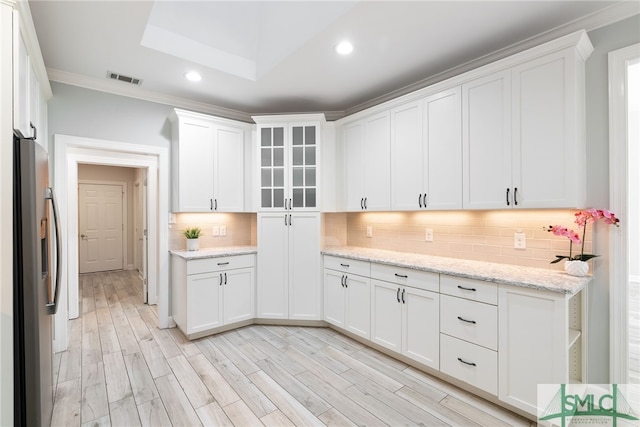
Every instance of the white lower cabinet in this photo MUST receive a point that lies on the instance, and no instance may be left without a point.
(289, 265)
(540, 342)
(210, 293)
(347, 302)
(406, 320)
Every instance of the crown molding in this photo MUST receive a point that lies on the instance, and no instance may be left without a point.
(30, 37)
(124, 89)
(599, 19)
(610, 15)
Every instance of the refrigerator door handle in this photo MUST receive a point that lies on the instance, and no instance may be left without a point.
(52, 306)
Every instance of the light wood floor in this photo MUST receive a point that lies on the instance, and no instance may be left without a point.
(120, 369)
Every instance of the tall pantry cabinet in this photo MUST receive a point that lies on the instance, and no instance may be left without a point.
(289, 217)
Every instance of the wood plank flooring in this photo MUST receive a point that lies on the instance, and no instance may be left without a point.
(121, 370)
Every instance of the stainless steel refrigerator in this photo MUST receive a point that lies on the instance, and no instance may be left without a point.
(35, 293)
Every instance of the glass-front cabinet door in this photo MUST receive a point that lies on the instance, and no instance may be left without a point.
(272, 167)
(289, 154)
(303, 166)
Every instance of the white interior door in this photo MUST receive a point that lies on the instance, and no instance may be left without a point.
(100, 227)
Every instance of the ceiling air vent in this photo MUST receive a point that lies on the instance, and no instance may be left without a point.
(123, 78)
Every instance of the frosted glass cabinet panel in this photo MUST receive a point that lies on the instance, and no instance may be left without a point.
(289, 155)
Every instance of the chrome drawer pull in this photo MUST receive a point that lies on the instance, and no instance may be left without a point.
(467, 363)
(466, 289)
(465, 320)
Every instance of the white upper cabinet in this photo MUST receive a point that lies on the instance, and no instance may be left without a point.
(506, 135)
(208, 164)
(486, 139)
(548, 143)
(426, 149)
(30, 84)
(289, 153)
(367, 148)
(523, 135)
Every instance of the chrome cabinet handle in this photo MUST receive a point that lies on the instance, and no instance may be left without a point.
(466, 289)
(465, 320)
(508, 204)
(466, 363)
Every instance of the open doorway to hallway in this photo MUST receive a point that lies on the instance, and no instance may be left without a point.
(112, 220)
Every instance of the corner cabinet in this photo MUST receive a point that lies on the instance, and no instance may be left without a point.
(289, 173)
(289, 153)
(289, 284)
(208, 163)
(523, 134)
(208, 294)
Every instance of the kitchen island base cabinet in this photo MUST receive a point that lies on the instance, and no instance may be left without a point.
(209, 294)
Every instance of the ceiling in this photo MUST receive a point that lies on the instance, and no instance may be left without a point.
(262, 57)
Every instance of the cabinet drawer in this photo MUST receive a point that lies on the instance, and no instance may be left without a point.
(476, 290)
(471, 321)
(207, 265)
(470, 363)
(406, 277)
(346, 265)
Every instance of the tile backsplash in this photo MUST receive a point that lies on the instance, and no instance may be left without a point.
(477, 235)
(241, 229)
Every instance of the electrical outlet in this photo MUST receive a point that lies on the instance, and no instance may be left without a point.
(369, 231)
(428, 235)
(223, 230)
(216, 230)
(172, 218)
(519, 240)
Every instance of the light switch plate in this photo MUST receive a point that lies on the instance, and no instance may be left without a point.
(369, 231)
(223, 230)
(216, 230)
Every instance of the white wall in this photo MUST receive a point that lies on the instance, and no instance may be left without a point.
(115, 174)
(605, 40)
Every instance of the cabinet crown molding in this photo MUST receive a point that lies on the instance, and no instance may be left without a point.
(285, 118)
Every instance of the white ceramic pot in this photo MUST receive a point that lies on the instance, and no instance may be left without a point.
(576, 268)
(193, 244)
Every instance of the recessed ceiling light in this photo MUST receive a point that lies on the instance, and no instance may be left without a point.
(193, 76)
(344, 47)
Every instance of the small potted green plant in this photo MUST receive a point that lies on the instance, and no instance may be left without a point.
(192, 234)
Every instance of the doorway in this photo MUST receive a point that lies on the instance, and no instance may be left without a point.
(624, 156)
(71, 151)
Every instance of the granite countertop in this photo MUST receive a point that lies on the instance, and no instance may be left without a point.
(214, 252)
(529, 277)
